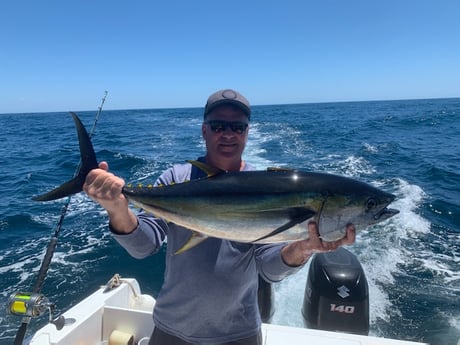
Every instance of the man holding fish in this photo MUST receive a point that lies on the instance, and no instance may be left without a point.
(209, 295)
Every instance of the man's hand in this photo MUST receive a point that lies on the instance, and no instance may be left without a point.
(297, 253)
(106, 189)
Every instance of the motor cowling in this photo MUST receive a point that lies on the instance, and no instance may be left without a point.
(336, 294)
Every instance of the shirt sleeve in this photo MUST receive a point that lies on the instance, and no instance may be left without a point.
(270, 264)
(146, 239)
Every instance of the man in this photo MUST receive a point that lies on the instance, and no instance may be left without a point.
(209, 295)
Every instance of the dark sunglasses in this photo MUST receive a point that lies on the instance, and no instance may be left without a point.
(219, 126)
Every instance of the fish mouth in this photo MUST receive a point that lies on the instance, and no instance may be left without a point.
(385, 213)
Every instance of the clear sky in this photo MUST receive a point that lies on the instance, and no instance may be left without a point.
(62, 55)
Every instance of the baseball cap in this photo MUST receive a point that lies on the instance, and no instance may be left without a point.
(227, 96)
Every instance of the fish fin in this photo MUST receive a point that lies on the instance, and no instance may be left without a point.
(279, 169)
(193, 241)
(209, 170)
(71, 187)
(88, 162)
(298, 215)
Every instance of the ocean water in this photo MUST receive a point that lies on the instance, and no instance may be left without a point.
(410, 148)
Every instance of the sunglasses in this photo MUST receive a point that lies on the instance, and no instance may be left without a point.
(219, 126)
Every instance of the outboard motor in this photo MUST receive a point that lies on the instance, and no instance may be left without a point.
(336, 294)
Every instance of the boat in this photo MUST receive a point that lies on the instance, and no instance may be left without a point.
(119, 314)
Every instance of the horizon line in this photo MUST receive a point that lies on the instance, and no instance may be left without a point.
(252, 105)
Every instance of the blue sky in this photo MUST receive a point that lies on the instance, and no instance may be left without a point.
(62, 55)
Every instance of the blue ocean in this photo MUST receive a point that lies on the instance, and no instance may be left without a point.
(409, 148)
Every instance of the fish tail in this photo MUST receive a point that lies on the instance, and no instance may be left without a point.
(88, 163)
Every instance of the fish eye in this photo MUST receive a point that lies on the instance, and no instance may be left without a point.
(371, 204)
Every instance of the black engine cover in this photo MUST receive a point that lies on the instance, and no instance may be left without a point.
(336, 294)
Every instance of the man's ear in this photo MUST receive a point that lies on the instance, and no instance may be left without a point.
(203, 130)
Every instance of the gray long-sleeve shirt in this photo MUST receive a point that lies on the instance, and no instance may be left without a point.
(209, 295)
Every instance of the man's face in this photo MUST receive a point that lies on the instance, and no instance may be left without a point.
(225, 132)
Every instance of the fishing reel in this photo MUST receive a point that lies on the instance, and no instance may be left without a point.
(29, 304)
(33, 305)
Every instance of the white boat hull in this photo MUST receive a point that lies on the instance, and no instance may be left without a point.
(106, 317)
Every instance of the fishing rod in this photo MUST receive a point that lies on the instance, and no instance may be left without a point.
(34, 304)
